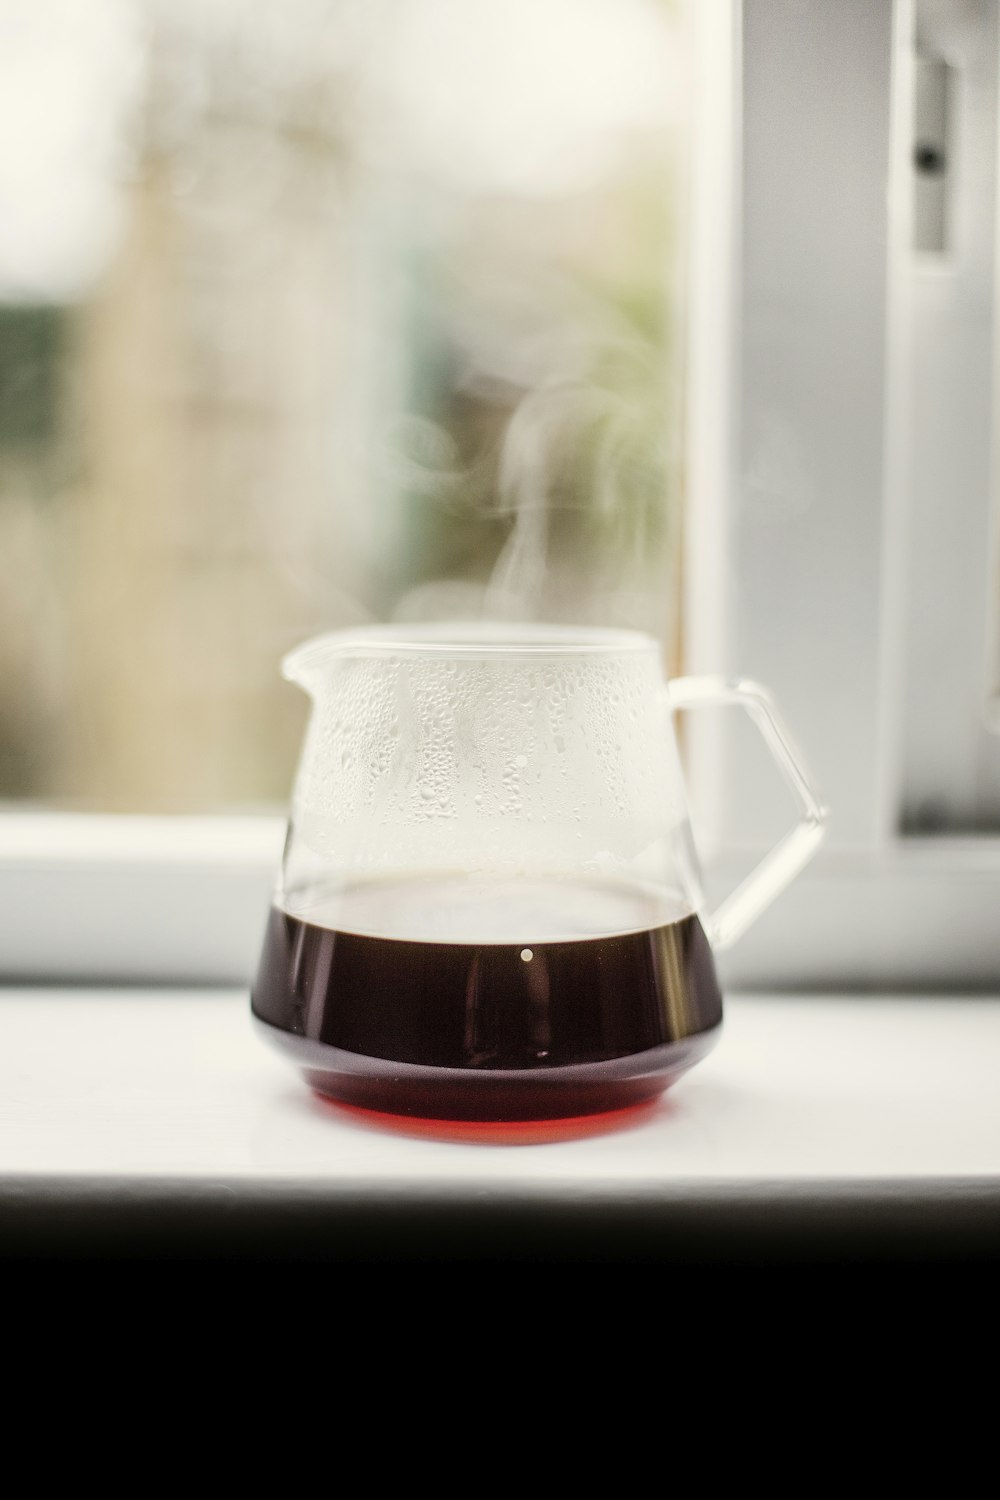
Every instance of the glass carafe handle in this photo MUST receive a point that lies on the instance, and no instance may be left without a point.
(769, 878)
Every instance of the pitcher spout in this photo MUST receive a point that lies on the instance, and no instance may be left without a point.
(307, 663)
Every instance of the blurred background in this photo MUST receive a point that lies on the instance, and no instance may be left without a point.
(315, 312)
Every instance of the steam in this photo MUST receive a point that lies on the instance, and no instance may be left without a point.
(535, 473)
(579, 481)
(524, 491)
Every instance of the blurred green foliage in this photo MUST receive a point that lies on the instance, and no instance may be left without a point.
(32, 341)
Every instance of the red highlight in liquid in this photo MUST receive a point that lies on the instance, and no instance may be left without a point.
(498, 1132)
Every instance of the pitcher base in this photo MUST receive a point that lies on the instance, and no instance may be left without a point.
(484, 1094)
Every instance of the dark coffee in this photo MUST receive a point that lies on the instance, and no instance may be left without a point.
(485, 1030)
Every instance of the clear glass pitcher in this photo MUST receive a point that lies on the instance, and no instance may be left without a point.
(489, 905)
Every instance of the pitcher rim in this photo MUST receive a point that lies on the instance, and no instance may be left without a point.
(465, 639)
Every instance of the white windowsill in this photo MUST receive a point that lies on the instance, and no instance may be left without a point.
(169, 1098)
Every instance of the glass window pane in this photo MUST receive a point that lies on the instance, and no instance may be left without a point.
(313, 313)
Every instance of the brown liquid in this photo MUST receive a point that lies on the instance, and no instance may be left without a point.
(488, 1031)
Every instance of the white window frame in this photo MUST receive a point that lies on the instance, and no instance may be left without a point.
(94, 898)
(819, 266)
(106, 898)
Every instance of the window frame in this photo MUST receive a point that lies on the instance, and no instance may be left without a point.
(93, 898)
(878, 908)
(89, 898)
